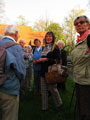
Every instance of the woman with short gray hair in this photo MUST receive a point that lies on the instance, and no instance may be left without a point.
(63, 60)
(81, 66)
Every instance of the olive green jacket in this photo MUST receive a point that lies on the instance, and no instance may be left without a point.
(81, 63)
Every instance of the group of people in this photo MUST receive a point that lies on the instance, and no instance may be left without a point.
(41, 58)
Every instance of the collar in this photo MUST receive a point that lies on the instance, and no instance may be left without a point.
(9, 37)
(79, 39)
(38, 48)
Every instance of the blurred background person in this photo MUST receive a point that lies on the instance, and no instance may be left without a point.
(23, 88)
(63, 60)
(22, 43)
(37, 65)
(29, 68)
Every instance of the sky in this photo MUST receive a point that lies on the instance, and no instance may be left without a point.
(33, 10)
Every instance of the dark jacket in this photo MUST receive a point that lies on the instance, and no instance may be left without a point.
(52, 56)
(63, 56)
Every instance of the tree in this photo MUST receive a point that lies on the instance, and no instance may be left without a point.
(2, 12)
(41, 25)
(58, 31)
(69, 30)
(22, 21)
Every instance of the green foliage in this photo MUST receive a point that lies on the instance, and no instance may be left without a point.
(22, 21)
(41, 24)
(58, 31)
(69, 30)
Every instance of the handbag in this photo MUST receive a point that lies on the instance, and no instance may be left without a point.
(56, 74)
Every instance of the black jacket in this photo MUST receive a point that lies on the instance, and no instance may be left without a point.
(63, 56)
(52, 56)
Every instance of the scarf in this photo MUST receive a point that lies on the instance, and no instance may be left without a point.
(46, 50)
(79, 39)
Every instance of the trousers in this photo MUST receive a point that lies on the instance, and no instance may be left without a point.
(54, 92)
(9, 105)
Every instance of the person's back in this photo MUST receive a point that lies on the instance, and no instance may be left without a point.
(15, 73)
(14, 57)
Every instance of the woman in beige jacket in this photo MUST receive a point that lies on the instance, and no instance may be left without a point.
(81, 67)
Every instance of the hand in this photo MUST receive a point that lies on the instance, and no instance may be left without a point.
(34, 61)
(43, 59)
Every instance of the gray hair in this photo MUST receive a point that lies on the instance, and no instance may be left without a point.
(29, 46)
(11, 29)
(82, 16)
(60, 41)
(22, 40)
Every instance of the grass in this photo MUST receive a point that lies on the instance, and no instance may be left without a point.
(30, 106)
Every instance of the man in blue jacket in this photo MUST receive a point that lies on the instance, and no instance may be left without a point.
(15, 71)
(37, 65)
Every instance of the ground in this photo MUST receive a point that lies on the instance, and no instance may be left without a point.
(30, 106)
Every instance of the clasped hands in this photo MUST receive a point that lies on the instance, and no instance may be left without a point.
(40, 60)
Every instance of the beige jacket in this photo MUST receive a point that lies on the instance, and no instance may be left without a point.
(81, 63)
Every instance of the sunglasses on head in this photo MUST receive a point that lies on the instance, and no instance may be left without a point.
(81, 22)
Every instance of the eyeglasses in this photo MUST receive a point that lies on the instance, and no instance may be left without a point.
(81, 22)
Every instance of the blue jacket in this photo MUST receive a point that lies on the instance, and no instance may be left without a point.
(14, 68)
(36, 56)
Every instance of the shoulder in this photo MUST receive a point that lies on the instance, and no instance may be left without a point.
(56, 48)
(15, 50)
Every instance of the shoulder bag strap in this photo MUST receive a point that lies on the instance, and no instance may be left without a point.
(9, 44)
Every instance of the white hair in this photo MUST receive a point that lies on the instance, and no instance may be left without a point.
(11, 29)
(22, 40)
(60, 41)
(29, 46)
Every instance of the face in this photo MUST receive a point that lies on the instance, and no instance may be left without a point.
(49, 38)
(37, 43)
(16, 36)
(22, 43)
(60, 45)
(81, 25)
(28, 49)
